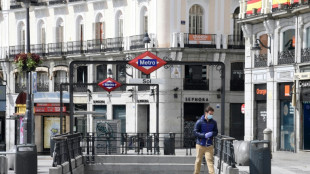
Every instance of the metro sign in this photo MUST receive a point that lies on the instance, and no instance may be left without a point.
(147, 62)
(109, 84)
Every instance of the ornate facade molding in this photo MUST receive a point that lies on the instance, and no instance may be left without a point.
(100, 5)
(80, 8)
(41, 13)
(60, 11)
(20, 15)
(258, 28)
(269, 26)
(247, 30)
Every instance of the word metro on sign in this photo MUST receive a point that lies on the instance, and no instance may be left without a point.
(109, 84)
(147, 62)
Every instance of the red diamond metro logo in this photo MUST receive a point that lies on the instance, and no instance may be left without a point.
(147, 62)
(109, 84)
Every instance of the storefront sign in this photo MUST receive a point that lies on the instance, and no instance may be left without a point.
(99, 101)
(200, 38)
(143, 101)
(304, 84)
(196, 99)
(285, 91)
(147, 62)
(260, 92)
(49, 109)
(48, 104)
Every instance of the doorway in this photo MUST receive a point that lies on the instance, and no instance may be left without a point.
(306, 126)
(261, 119)
(236, 121)
(143, 119)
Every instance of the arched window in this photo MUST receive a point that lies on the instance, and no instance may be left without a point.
(79, 29)
(264, 39)
(41, 33)
(196, 19)
(99, 28)
(308, 37)
(288, 40)
(60, 77)
(21, 34)
(59, 31)
(119, 24)
(144, 20)
(237, 32)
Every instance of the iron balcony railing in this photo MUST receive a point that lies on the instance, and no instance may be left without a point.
(136, 42)
(286, 57)
(40, 49)
(237, 85)
(80, 88)
(191, 84)
(75, 0)
(114, 44)
(260, 60)
(305, 55)
(15, 5)
(57, 49)
(40, 3)
(57, 86)
(95, 46)
(76, 47)
(43, 87)
(55, 2)
(20, 87)
(236, 42)
(13, 50)
(199, 40)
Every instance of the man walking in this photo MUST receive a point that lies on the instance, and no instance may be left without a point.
(205, 129)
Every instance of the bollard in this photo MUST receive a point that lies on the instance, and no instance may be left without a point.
(267, 136)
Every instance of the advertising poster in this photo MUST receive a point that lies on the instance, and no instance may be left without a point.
(21, 131)
(51, 127)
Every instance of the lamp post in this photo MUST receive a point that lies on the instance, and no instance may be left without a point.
(146, 40)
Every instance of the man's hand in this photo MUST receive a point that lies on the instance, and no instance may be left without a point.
(208, 134)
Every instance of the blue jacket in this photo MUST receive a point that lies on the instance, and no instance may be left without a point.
(203, 126)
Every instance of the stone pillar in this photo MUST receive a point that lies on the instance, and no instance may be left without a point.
(163, 23)
(267, 136)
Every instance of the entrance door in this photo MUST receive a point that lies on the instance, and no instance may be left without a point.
(119, 112)
(51, 126)
(306, 126)
(236, 121)
(286, 125)
(192, 112)
(261, 119)
(143, 119)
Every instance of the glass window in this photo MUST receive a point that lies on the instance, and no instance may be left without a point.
(264, 39)
(195, 20)
(119, 112)
(60, 31)
(61, 77)
(237, 26)
(101, 73)
(308, 38)
(196, 77)
(99, 30)
(237, 76)
(82, 74)
(288, 40)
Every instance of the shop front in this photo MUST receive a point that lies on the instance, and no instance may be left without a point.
(287, 135)
(261, 111)
(305, 116)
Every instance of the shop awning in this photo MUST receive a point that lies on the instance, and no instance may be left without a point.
(253, 4)
(50, 97)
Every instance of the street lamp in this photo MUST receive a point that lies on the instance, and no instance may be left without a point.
(257, 48)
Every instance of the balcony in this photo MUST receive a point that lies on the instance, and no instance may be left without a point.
(136, 42)
(43, 87)
(237, 85)
(57, 87)
(114, 44)
(20, 87)
(14, 50)
(15, 5)
(95, 46)
(77, 47)
(286, 57)
(260, 61)
(236, 42)
(80, 88)
(199, 40)
(57, 2)
(40, 49)
(191, 84)
(305, 55)
(57, 49)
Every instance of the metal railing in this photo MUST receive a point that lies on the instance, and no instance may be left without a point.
(75, 0)
(136, 42)
(66, 147)
(40, 49)
(57, 49)
(224, 150)
(114, 44)
(13, 50)
(57, 86)
(133, 143)
(95, 46)
(20, 87)
(43, 87)
(286, 57)
(76, 47)
(260, 60)
(55, 2)
(236, 42)
(80, 88)
(204, 40)
(190, 84)
(305, 55)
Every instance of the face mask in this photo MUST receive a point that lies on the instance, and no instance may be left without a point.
(210, 117)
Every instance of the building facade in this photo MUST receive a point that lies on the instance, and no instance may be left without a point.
(276, 76)
(182, 30)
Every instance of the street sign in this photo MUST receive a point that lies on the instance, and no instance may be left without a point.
(147, 81)
(147, 62)
(109, 84)
(242, 108)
